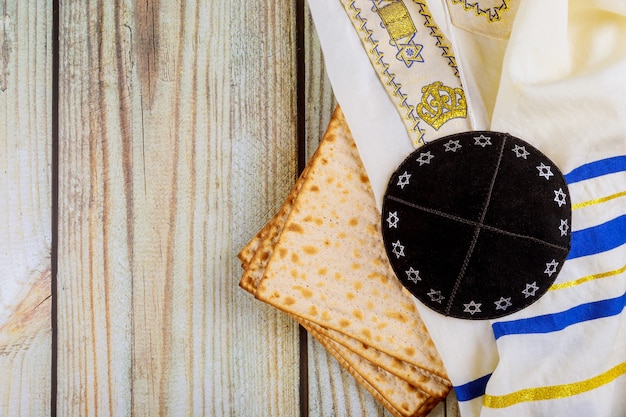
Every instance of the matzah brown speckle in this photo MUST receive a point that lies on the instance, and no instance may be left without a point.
(329, 264)
(403, 388)
(257, 262)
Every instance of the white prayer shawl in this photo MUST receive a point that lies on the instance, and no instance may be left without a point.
(559, 83)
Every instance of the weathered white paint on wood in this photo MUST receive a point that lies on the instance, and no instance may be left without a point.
(177, 142)
(25, 210)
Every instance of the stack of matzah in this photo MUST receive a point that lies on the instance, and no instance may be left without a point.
(321, 259)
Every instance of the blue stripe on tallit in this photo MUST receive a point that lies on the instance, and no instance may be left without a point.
(600, 238)
(584, 242)
(558, 321)
(597, 169)
(472, 389)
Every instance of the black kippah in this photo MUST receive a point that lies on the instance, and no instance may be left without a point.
(477, 225)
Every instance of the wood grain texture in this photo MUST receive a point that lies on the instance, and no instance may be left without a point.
(452, 406)
(177, 142)
(319, 97)
(25, 211)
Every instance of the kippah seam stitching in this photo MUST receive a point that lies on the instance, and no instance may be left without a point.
(475, 223)
(470, 250)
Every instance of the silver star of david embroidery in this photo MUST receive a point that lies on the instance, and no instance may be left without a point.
(551, 267)
(521, 152)
(413, 275)
(425, 158)
(559, 197)
(435, 296)
(398, 249)
(530, 290)
(503, 303)
(564, 227)
(403, 180)
(392, 220)
(482, 140)
(545, 171)
(472, 308)
(452, 145)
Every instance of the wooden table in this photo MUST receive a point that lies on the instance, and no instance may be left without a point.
(142, 143)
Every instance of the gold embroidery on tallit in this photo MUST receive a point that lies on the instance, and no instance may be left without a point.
(384, 71)
(397, 20)
(440, 39)
(491, 18)
(493, 13)
(441, 103)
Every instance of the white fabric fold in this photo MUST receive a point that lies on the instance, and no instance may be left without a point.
(559, 83)
(380, 136)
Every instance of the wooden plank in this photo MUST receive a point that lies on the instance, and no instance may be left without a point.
(177, 127)
(25, 210)
(334, 392)
(452, 405)
(319, 97)
(263, 132)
